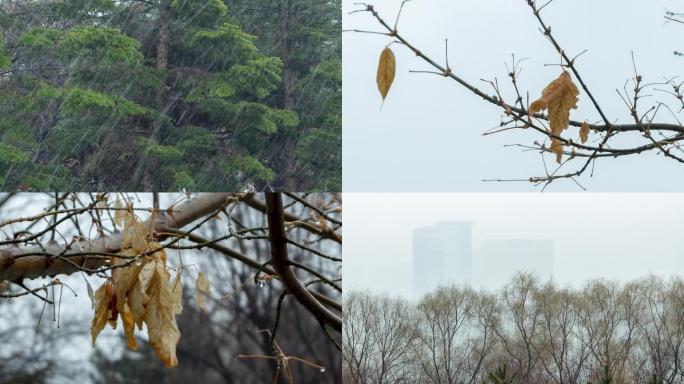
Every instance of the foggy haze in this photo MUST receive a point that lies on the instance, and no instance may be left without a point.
(611, 236)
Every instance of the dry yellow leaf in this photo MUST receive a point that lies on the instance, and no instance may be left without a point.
(129, 327)
(559, 97)
(135, 234)
(386, 71)
(113, 321)
(160, 318)
(143, 293)
(584, 132)
(536, 106)
(103, 298)
(124, 278)
(137, 295)
(177, 292)
(136, 302)
(201, 290)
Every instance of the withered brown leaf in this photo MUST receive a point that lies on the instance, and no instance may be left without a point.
(559, 97)
(201, 290)
(584, 132)
(177, 291)
(160, 316)
(386, 71)
(135, 234)
(103, 312)
(129, 327)
(124, 278)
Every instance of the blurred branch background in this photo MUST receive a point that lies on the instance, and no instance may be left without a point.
(46, 334)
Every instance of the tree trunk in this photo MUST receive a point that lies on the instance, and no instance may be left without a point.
(163, 39)
(163, 52)
(286, 158)
(289, 76)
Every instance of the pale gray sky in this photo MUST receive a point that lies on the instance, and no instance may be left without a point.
(428, 135)
(596, 235)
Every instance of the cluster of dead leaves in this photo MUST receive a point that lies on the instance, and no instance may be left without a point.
(141, 292)
(559, 97)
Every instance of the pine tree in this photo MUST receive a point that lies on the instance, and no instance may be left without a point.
(305, 34)
(163, 95)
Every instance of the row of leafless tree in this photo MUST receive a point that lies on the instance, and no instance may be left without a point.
(528, 332)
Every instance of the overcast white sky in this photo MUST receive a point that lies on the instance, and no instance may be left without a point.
(428, 135)
(596, 235)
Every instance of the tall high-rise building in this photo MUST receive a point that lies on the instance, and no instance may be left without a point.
(442, 253)
(501, 259)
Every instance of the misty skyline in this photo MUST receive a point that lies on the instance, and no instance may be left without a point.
(611, 236)
(442, 253)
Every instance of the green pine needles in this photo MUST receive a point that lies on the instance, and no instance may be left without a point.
(183, 94)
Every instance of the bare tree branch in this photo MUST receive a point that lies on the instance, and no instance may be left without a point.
(282, 265)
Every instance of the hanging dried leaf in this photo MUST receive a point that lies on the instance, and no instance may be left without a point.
(201, 291)
(135, 234)
(559, 97)
(143, 293)
(160, 317)
(386, 71)
(136, 301)
(137, 295)
(129, 327)
(103, 313)
(177, 292)
(124, 278)
(113, 313)
(584, 132)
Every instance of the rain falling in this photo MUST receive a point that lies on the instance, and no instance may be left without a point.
(165, 95)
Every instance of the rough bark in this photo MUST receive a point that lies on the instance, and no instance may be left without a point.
(163, 51)
(163, 39)
(286, 163)
(289, 76)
